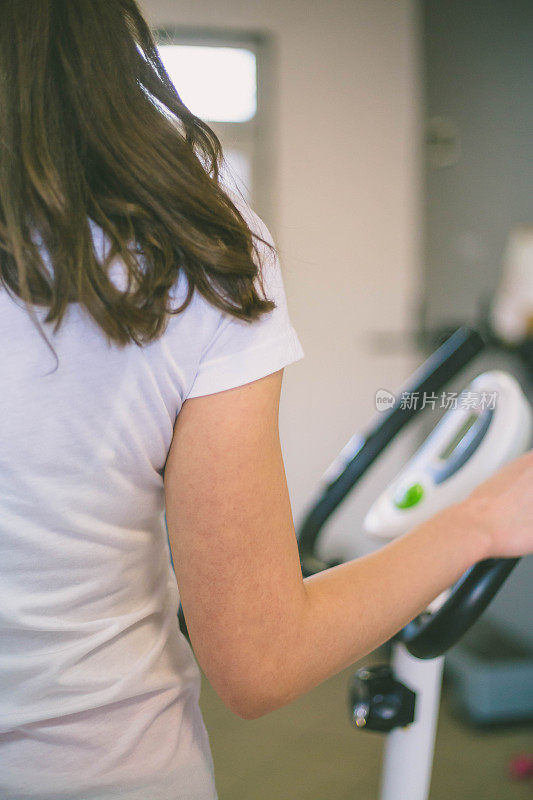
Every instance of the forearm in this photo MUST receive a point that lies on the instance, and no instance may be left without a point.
(351, 609)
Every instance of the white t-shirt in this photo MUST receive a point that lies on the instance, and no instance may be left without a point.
(98, 687)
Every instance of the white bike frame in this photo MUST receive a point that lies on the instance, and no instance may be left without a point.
(408, 759)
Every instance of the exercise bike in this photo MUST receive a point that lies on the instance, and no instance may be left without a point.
(472, 440)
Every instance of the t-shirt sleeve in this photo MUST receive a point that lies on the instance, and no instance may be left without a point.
(239, 351)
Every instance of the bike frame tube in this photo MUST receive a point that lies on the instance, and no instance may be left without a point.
(408, 757)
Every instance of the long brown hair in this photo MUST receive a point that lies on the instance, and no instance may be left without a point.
(92, 128)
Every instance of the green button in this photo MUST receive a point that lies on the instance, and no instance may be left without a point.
(410, 496)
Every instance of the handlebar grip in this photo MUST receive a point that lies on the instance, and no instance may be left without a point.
(431, 634)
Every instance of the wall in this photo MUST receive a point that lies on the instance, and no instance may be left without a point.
(478, 76)
(346, 141)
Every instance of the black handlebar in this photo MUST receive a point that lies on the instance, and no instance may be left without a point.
(430, 634)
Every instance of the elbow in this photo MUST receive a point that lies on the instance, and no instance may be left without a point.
(254, 706)
(254, 698)
(253, 679)
(245, 710)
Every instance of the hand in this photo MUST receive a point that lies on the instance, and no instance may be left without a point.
(501, 508)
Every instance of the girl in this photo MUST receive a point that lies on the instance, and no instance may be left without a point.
(161, 302)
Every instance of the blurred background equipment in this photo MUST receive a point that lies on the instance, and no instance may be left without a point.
(479, 269)
(512, 307)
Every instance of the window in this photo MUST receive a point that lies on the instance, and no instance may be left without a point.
(218, 84)
(218, 77)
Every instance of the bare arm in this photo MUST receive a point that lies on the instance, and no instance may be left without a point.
(261, 633)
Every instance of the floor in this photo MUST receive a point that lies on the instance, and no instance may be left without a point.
(309, 750)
